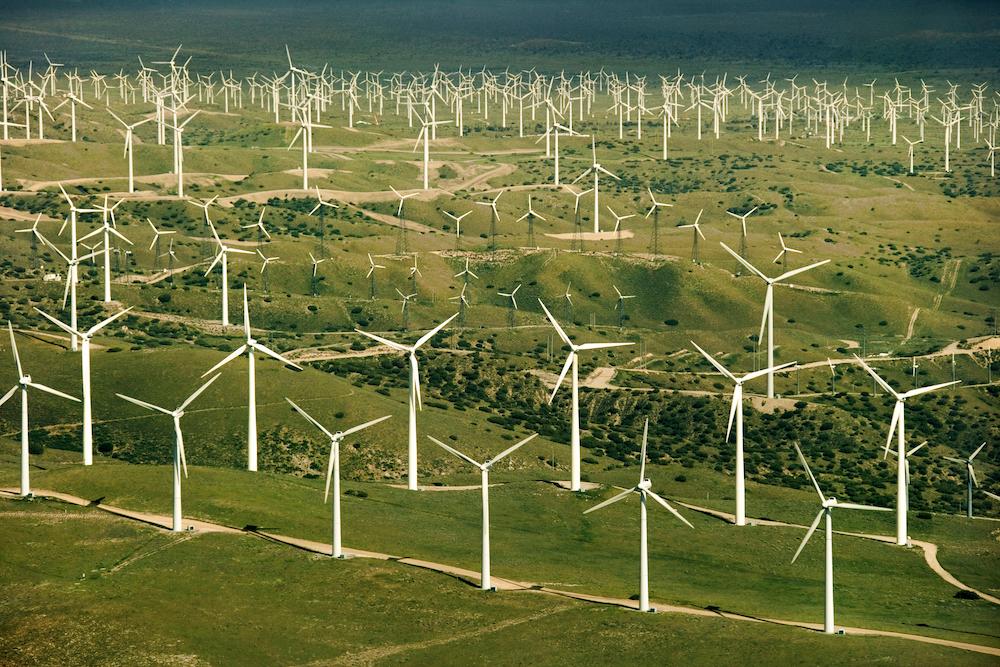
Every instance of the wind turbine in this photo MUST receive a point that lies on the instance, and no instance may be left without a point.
(426, 127)
(530, 215)
(24, 381)
(156, 240)
(371, 276)
(463, 303)
(249, 346)
(768, 317)
(644, 489)
(970, 475)
(697, 232)
(486, 583)
(783, 255)
(620, 305)
(909, 149)
(85, 337)
(179, 151)
(264, 271)
(321, 206)
(315, 270)
(106, 231)
(223, 257)
(654, 210)
(72, 100)
(494, 218)
(898, 427)
(618, 228)
(333, 470)
(405, 300)
(572, 362)
(466, 272)
(827, 513)
(180, 461)
(72, 278)
(569, 301)
(743, 226)
(512, 295)
(736, 412)
(130, 145)
(415, 402)
(458, 224)
(597, 170)
(262, 232)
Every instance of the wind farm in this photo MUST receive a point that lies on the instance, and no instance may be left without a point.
(548, 330)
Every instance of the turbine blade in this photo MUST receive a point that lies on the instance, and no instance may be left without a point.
(742, 261)
(274, 355)
(871, 371)
(361, 427)
(6, 397)
(856, 506)
(144, 404)
(809, 533)
(229, 357)
(384, 341)
(802, 460)
(794, 272)
(455, 452)
(924, 390)
(601, 346)
(562, 375)
(329, 467)
(555, 324)
(103, 323)
(430, 334)
(612, 500)
(50, 390)
(669, 507)
(511, 450)
(197, 393)
(719, 367)
(642, 453)
(309, 418)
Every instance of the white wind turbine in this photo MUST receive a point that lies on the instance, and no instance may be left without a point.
(72, 278)
(898, 427)
(85, 337)
(320, 203)
(644, 489)
(743, 226)
(259, 226)
(768, 318)
(654, 210)
(597, 170)
(72, 100)
(909, 149)
(827, 513)
(402, 198)
(572, 362)
(24, 381)
(223, 257)
(179, 151)
(530, 216)
(157, 233)
(466, 272)
(130, 145)
(783, 255)
(458, 221)
(697, 232)
(494, 217)
(180, 461)
(249, 346)
(415, 402)
(736, 412)
(486, 583)
(333, 471)
(970, 474)
(106, 231)
(427, 129)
